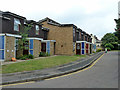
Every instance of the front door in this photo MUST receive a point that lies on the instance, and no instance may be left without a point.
(43, 47)
(86, 48)
(54, 47)
(78, 49)
(26, 48)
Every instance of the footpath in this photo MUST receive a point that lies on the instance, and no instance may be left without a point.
(38, 75)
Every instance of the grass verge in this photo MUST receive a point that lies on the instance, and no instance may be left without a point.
(39, 64)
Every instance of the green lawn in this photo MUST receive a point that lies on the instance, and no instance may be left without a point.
(39, 64)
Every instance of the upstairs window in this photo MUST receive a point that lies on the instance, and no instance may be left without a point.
(37, 29)
(16, 24)
(73, 32)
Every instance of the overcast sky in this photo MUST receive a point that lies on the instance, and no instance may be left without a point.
(93, 16)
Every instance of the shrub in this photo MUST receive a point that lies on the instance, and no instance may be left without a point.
(44, 54)
(109, 45)
(30, 56)
(93, 51)
(24, 57)
(47, 54)
(108, 49)
(98, 50)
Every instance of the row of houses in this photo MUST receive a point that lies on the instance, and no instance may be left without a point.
(46, 35)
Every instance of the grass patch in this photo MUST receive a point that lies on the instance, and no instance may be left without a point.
(39, 64)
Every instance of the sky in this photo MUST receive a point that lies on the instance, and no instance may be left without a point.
(92, 16)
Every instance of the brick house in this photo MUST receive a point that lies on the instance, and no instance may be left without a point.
(67, 37)
(11, 26)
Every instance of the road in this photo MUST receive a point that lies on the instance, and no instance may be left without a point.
(104, 74)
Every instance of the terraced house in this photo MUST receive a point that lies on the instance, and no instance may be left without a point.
(46, 35)
(10, 32)
(70, 40)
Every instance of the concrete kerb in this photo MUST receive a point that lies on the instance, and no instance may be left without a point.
(38, 78)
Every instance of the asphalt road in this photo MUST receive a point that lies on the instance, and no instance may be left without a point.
(104, 74)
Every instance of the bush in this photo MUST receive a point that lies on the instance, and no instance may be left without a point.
(44, 54)
(93, 51)
(98, 50)
(108, 49)
(30, 56)
(24, 57)
(109, 45)
(47, 54)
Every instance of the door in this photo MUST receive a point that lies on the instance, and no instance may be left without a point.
(54, 47)
(43, 47)
(30, 47)
(2, 38)
(83, 48)
(86, 48)
(26, 48)
(78, 49)
(48, 47)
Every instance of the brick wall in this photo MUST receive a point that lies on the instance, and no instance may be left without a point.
(51, 48)
(9, 48)
(36, 48)
(63, 37)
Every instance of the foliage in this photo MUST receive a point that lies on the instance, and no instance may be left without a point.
(117, 29)
(108, 49)
(30, 56)
(109, 45)
(24, 34)
(98, 50)
(109, 39)
(24, 57)
(44, 54)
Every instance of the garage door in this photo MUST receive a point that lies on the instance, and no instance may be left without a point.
(1, 47)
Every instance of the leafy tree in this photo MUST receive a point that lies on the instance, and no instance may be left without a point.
(109, 45)
(117, 29)
(23, 40)
(109, 39)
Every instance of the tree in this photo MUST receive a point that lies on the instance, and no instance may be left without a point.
(109, 45)
(109, 39)
(117, 29)
(23, 40)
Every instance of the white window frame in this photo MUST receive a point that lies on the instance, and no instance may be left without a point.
(73, 32)
(16, 24)
(37, 29)
(73, 46)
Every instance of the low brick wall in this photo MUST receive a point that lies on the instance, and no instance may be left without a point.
(36, 48)
(9, 47)
(51, 48)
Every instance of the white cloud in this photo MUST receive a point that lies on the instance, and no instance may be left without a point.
(93, 16)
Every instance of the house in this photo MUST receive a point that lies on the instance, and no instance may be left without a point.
(12, 25)
(94, 40)
(70, 40)
(9, 33)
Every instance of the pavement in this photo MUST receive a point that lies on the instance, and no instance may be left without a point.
(39, 75)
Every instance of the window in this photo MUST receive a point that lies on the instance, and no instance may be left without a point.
(16, 24)
(73, 46)
(16, 43)
(37, 29)
(73, 32)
